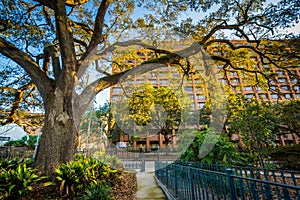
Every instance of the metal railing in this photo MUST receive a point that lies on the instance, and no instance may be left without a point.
(16, 152)
(130, 154)
(199, 181)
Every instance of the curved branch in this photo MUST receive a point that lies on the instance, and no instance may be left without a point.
(37, 75)
(66, 43)
(96, 39)
(81, 26)
(19, 97)
(48, 19)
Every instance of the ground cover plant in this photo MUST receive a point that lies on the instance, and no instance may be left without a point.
(82, 178)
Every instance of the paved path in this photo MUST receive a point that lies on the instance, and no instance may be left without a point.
(147, 186)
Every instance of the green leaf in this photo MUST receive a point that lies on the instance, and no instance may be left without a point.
(48, 183)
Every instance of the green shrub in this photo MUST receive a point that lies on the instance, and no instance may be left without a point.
(82, 172)
(24, 142)
(96, 191)
(16, 178)
(224, 151)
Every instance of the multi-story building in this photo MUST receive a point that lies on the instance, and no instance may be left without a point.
(285, 85)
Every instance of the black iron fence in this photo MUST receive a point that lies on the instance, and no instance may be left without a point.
(16, 152)
(199, 181)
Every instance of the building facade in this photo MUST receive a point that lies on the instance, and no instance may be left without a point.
(284, 85)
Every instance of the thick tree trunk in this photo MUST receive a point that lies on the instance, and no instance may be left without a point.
(60, 135)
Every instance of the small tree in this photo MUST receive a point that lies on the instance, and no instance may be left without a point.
(159, 107)
(223, 152)
(255, 122)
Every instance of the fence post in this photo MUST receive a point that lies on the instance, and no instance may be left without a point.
(143, 163)
(167, 174)
(253, 188)
(191, 181)
(231, 185)
(176, 180)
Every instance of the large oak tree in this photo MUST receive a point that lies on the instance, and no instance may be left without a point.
(56, 41)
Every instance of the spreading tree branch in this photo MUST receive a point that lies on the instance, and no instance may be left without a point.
(37, 75)
(96, 39)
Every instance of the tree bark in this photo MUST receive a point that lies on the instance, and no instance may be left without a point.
(60, 134)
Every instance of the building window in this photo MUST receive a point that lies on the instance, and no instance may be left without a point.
(282, 80)
(152, 75)
(249, 96)
(280, 73)
(188, 89)
(130, 61)
(116, 98)
(258, 89)
(201, 105)
(117, 89)
(296, 88)
(287, 96)
(140, 82)
(272, 88)
(233, 74)
(274, 96)
(130, 82)
(203, 97)
(164, 74)
(164, 82)
(248, 88)
(298, 95)
(222, 80)
(175, 74)
(153, 81)
(294, 80)
(235, 80)
(192, 97)
(284, 88)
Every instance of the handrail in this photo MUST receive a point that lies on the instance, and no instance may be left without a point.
(185, 181)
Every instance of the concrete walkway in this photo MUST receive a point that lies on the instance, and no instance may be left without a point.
(147, 186)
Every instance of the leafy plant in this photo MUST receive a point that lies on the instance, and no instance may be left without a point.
(96, 191)
(74, 176)
(24, 142)
(224, 150)
(7, 164)
(16, 179)
(254, 121)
